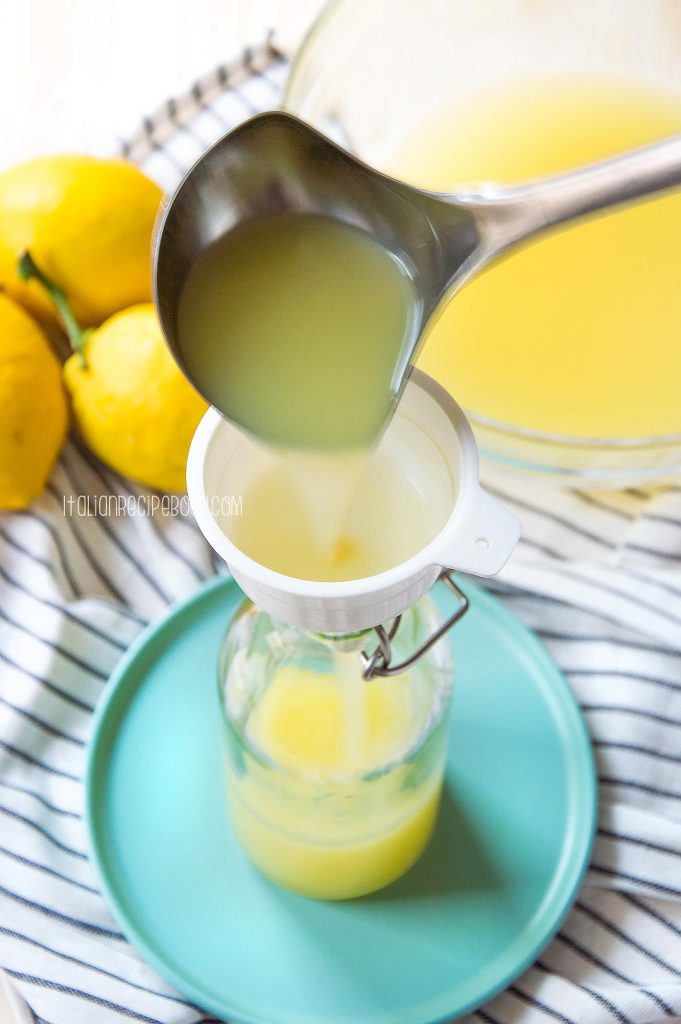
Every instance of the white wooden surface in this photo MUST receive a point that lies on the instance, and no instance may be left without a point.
(74, 74)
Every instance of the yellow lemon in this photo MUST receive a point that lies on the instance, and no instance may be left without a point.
(88, 223)
(33, 407)
(131, 403)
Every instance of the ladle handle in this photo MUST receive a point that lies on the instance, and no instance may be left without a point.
(510, 215)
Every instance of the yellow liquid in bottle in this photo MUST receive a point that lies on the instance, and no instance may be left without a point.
(579, 333)
(334, 728)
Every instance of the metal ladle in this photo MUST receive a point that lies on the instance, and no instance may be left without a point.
(275, 163)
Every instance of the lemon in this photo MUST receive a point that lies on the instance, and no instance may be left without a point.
(33, 408)
(88, 223)
(132, 405)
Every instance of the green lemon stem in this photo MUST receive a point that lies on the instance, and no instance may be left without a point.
(27, 269)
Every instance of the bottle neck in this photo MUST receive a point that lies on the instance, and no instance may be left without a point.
(343, 643)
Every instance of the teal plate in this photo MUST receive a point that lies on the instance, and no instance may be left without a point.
(502, 870)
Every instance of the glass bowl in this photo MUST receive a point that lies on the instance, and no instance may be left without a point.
(371, 72)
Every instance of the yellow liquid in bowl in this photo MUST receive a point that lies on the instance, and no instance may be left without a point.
(579, 333)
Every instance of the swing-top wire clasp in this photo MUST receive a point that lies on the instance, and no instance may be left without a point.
(378, 663)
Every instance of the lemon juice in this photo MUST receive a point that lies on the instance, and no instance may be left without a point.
(337, 517)
(334, 781)
(328, 831)
(578, 333)
(299, 328)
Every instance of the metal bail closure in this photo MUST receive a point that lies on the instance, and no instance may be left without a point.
(378, 663)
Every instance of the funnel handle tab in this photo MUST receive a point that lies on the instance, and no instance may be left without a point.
(483, 536)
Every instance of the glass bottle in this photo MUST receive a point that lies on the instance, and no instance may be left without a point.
(333, 780)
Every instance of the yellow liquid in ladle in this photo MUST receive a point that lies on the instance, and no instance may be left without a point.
(580, 332)
(299, 328)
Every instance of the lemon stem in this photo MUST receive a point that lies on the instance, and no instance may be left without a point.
(28, 269)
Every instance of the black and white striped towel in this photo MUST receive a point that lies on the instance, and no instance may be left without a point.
(599, 579)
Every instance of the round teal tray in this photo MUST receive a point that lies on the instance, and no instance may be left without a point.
(503, 868)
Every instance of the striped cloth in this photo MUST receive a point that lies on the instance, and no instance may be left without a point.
(597, 577)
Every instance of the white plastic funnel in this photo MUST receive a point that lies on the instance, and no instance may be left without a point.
(478, 536)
